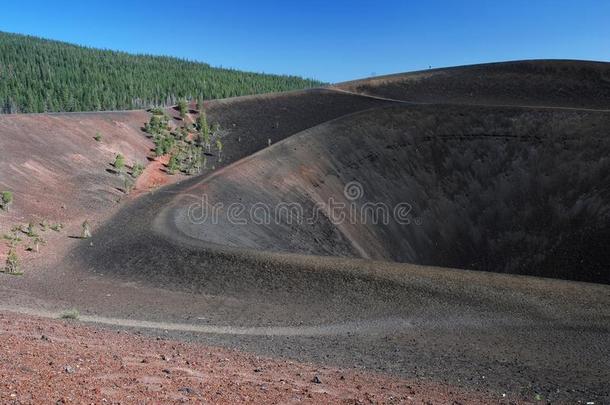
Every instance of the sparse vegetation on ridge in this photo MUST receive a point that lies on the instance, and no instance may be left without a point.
(185, 145)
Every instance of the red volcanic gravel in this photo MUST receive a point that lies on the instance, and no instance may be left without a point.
(56, 361)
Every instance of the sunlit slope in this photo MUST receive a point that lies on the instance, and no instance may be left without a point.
(55, 167)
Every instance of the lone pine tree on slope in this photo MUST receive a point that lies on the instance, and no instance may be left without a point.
(12, 262)
(86, 231)
(6, 198)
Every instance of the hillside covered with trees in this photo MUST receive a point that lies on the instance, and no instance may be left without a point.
(39, 75)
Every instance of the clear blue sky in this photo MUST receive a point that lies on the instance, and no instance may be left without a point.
(328, 40)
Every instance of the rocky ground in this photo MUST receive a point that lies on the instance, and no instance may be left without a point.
(63, 361)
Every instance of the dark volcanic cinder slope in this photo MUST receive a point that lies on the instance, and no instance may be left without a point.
(545, 335)
(488, 188)
(249, 123)
(560, 83)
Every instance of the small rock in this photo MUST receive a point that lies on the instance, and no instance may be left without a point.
(69, 369)
(187, 391)
(45, 338)
(316, 380)
(257, 370)
(166, 371)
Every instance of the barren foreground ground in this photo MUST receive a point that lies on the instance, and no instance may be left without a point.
(46, 361)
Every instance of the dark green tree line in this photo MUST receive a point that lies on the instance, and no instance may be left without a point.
(39, 75)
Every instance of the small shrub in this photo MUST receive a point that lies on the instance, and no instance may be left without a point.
(172, 165)
(30, 230)
(98, 137)
(57, 227)
(202, 122)
(219, 147)
(128, 184)
(164, 144)
(12, 263)
(6, 200)
(35, 246)
(70, 314)
(216, 129)
(183, 134)
(12, 238)
(119, 162)
(158, 124)
(137, 170)
(183, 108)
(86, 231)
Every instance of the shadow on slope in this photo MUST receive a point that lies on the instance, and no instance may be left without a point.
(497, 189)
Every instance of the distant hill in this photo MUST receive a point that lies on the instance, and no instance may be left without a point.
(557, 83)
(39, 75)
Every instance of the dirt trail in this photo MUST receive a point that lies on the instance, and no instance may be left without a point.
(376, 326)
(394, 100)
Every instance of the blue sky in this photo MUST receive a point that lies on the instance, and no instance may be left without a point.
(327, 40)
